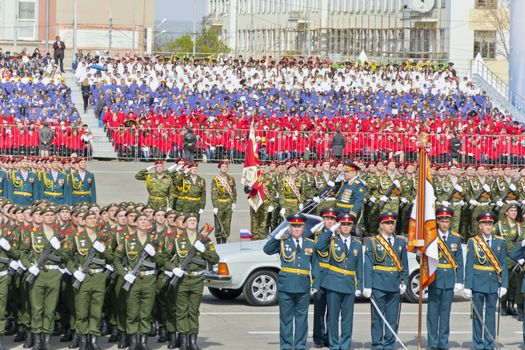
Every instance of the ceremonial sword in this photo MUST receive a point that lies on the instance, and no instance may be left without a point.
(386, 322)
(478, 315)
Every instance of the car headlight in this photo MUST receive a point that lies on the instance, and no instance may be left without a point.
(223, 269)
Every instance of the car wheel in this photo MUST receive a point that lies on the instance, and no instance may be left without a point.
(412, 293)
(225, 294)
(260, 288)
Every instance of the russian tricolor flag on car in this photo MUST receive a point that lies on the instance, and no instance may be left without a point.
(246, 234)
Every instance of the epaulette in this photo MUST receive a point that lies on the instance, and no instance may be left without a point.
(499, 237)
(357, 239)
(129, 235)
(311, 240)
(453, 233)
(78, 234)
(36, 229)
(68, 232)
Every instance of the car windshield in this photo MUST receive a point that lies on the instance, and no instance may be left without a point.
(311, 221)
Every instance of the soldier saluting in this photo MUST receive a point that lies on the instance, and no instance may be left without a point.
(223, 198)
(161, 191)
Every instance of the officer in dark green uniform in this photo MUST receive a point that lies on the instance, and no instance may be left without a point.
(343, 281)
(386, 277)
(190, 288)
(223, 199)
(89, 297)
(191, 192)
(161, 192)
(296, 255)
(448, 280)
(141, 295)
(486, 280)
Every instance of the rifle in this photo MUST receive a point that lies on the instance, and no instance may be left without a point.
(141, 262)
(388, 194)
(311, 204)
(46, 254)
(85, 266)
(6, 261)
(191, 255)
(166, 278)
(479, 195)
(496, 208)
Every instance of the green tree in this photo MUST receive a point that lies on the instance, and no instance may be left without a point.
(207, 42)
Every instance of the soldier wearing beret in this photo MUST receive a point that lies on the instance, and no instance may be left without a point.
(191, 192)
(161, 192)
(223, 198)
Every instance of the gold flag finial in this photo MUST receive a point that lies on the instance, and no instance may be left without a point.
(423, 139)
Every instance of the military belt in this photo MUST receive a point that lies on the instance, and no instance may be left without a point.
(484, 268)
(445, 266)
(344, 205)
(291, 199)
(93, 271)
(330, 199)
(324, 265)
(82, 192)
(51, 267)
(195, 273)
(157, 197)
(4, 273)
(385, 268)
(147, 273)
(53, 194)
(341, 271)
(190, 198)
(224, 199)
(21, 193)
(297, 271)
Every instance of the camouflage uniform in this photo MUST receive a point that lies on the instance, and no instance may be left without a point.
(191, 194)
(161, 191)
(223, 195)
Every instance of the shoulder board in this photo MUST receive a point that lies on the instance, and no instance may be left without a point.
(129, 235)
(358, 240)
(453, 233)
(311, 240)
(499, 237)
(36, 229)
(121, 230)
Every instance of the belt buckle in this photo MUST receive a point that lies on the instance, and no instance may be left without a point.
(142, 274)
(44, 268)
(91, 272)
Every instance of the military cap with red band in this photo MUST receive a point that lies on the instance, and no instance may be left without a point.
(444, 212)
(486, 217)
(387, 216)
(329, 212)
(346, 217)
(296, 219)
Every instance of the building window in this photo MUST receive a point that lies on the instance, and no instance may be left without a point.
(486, 4)
(485, 43)
(26, 19)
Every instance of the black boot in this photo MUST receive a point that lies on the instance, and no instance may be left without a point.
(68, 336)
(93, 342)
(30, 340)
(163, 336)
(511, 308)
(113, 338)
(134, 342)
(58, 329)
(183, 338)
(153, 329)
(35, 342)
(104, 328)
(123, 340)
(11, 327)
(144, 342)
(75, 341)
(173, 340)
(46, 342)
(193, 342)
(520, 313)
(83, 342)
(21, 335)
(504, 310)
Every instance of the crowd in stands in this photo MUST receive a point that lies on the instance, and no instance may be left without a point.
(34, 94)
(297, 104)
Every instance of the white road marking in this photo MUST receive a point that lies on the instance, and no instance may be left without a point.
(136, 171)
(240, 313)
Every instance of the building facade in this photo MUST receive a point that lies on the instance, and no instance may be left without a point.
(32, 23)
(386, 30)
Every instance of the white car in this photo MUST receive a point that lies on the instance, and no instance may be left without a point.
(245, 268)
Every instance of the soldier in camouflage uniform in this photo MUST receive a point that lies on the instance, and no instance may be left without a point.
(387, 195)
(408, 194)
(259, 217)
(323, 179)
(308, 179)
(291, 196)
(223, 199)
(505, 190)
(273, 189)
(480, 196)
(510, 230)
(191, 191)
(161, 192)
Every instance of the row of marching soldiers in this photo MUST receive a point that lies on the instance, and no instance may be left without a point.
(125, 270)
(327, 261)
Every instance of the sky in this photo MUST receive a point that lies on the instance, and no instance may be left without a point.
(178, 10)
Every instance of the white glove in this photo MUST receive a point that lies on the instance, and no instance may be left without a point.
(445, 203)
(215, 211)
(367, 292)
(110, 267)
(473, 202)
(486, 188)
(402, 289)
(301, 206)
(199, 246)
(383, 199)
(62, 271)
(461, 202)
(523, 243)
(13, 265)
(397, 183)
(357, 293)
(66, 271)
(317, 199)
(168, 273)
(281, 234)
(34, 270)
(186, 172)
(130, 278)
(502, 291)
(458, 188)
(317, 227)
(373, 199)
(149, 249)
(512, 187)
(499, 204)
(404, 200)
(457, 287)
(171, 168)
(55, 243)
(4, 243)
(313, 291)
(270, 209)
(79, 275)
(179, 166)
(330, 183)
(234, 206)
(99, 247)
(150, 168)
(20, 265)
(467, 293)
(178, 272)
(201, 211)
(521, 261)
(335, 227)
(168, 209)
(282, 212)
